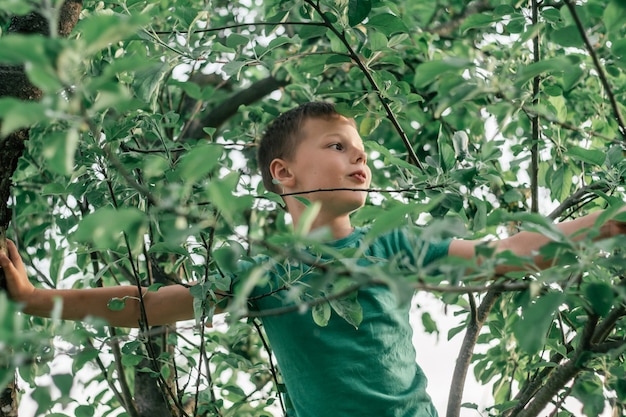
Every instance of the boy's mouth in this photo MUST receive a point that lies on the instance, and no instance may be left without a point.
(360, 176)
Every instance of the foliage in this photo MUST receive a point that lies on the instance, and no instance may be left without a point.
(141, 168)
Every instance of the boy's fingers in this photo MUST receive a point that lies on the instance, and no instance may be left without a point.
(13, 260)
(5, 262)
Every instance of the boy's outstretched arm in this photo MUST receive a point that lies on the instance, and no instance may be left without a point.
(167, 305)
(529, 243)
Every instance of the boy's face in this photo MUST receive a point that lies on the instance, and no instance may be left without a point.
(331, 155)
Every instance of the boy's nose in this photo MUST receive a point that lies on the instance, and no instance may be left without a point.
(359, 156)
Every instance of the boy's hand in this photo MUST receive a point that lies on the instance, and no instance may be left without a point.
(20, 288)
(613, 228)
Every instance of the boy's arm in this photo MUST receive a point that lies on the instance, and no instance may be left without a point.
(529, 243)
(167, 305)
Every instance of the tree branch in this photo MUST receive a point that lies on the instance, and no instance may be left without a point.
(467, 351)
(229, 107)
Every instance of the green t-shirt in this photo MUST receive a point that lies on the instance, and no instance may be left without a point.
(342, 371)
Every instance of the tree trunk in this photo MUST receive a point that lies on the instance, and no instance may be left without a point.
(14, 83)
(8, 401)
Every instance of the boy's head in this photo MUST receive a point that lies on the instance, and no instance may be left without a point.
(284, 134)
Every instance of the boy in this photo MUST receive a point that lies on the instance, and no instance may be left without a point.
(338, 369)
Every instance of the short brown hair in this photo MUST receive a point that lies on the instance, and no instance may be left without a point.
(283, 135)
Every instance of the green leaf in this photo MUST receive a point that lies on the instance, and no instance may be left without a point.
(60, 149)
(351, 110)
(619, 48)
(480, 216)
(310, 31)
(84, 411)
(614, 16)
(235, 40)
(390, 158)
(44, 77)
(430, 325)
(389, 219)
(321, 314)
(601, 297)
(475, 21)
(166, 371)
(131, 347)
(560, 182)
(531, 330)
(256, 276)
(358, 11)
(16, 7)
(396, 40)
(198, 162)
(147, 82)
(280, 41)
(552, 65)
(83, 357)
(367, 126)
(551, 14)
(348, 308)
(430, 71)
(105, 227)
(504, 10)
(233, 68)
(307, 218)
(377, 41)
(572, 75)
(97, 31)
(620, 389)
(63, 382)
(221, 196)
(16, 114)
(460, 142)
(18, 49)
(588, 388)
(117, 304)
(387, 24)
(532, 222)
(590, 156)
(155, 287)
(569, 36)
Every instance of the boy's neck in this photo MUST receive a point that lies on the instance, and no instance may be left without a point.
(338, 229)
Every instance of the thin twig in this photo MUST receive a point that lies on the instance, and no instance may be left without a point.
(365, 190)
(355, 57)
(534, 120)
(273, 369)
(601, 73)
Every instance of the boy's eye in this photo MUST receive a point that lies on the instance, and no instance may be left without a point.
(337, 146)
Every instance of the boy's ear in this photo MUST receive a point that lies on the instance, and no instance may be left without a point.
(280, 171)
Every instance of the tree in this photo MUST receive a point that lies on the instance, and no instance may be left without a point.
(139, 168)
